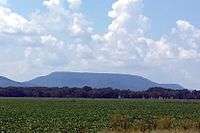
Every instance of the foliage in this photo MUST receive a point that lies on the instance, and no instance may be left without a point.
(88, 92)
(81, 115)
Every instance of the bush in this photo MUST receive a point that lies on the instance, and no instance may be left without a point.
(164, 123)
(120, 123)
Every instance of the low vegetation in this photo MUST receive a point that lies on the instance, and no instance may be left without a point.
(95, 115)
(88, 92)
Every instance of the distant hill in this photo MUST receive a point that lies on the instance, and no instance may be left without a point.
(5, 82)
(97, 80)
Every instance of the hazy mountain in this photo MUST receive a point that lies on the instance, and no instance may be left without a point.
(5, 82)
(97, 80)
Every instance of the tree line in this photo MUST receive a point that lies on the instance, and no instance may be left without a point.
(88, 92)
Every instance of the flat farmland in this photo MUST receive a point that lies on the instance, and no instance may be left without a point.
(98, 115)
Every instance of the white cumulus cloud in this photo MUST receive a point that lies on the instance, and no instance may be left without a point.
(11, 22)
(52, 3)
(74, 4)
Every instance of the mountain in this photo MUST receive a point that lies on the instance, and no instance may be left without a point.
(5, 82)
(97, 80)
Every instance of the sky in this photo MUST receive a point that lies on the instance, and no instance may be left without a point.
(159, 40)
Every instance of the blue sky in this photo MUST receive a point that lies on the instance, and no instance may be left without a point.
(164, 13)
(156, 39)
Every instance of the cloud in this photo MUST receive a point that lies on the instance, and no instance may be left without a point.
(185, 40)
(123, 13)
(125, 44)
(188, 54)
(3, 2)
(74, 4)
(79, 25)
(51, 41)
(11, 22)
(52, 3)
(184, 25)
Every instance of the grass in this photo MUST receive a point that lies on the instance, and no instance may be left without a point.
(85, 115)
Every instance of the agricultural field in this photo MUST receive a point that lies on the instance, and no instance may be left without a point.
(95, 115)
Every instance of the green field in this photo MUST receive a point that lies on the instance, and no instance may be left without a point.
(79, 115)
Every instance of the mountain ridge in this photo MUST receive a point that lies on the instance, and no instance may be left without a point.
(95, 80)
(5, 82)
(98, 80)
